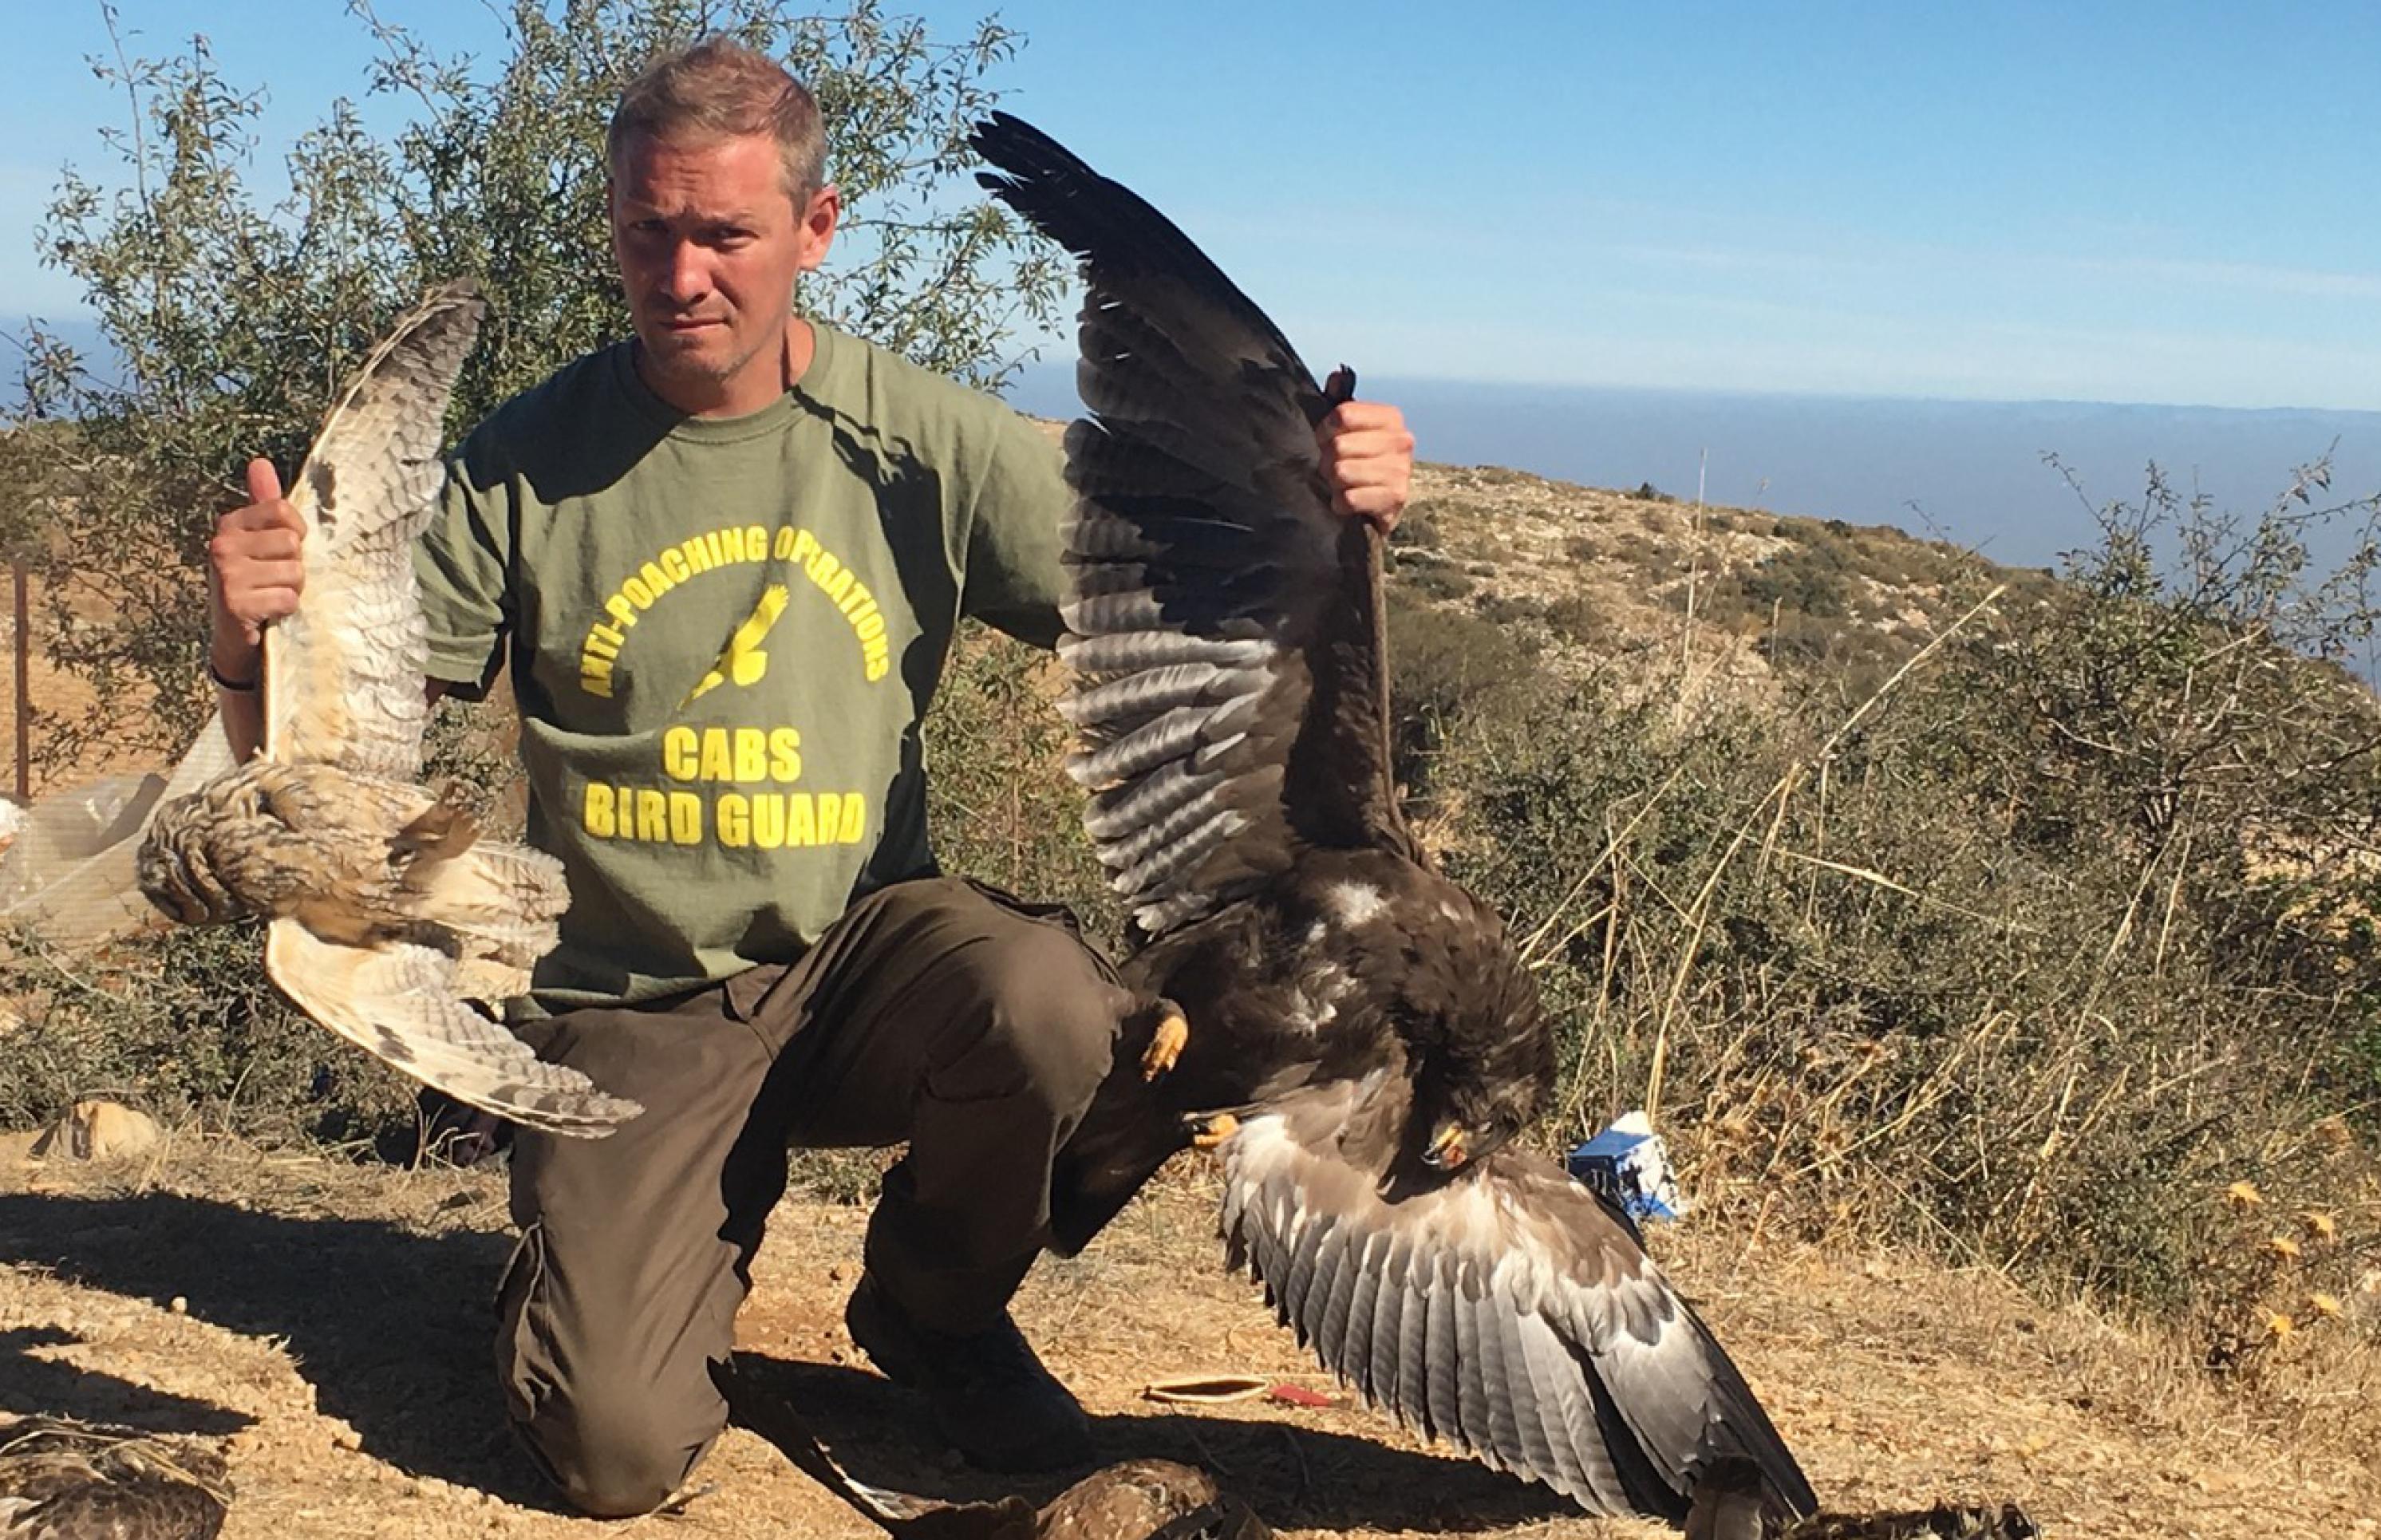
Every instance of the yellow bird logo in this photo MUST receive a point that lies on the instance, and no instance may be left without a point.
(742, 660)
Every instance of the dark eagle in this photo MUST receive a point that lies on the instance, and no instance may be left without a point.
(64, 1480)
(1362, 1042)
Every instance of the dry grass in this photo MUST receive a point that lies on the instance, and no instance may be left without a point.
(332, 1320)
(1604, 574)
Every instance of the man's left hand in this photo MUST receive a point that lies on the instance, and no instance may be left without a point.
(1367, 461)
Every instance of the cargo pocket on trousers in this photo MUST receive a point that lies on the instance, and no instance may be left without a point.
(524, 1350)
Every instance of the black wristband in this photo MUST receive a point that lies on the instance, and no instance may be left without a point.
(238, 687)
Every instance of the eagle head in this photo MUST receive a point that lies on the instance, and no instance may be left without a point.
(1488, 1075)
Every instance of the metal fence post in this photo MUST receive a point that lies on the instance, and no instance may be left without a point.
(24, 687)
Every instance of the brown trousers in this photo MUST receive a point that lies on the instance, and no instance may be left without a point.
(934, 1011)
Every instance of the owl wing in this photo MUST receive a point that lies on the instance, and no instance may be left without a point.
(399, 1002)
(343, 676)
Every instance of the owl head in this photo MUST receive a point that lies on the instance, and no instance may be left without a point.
(173, 869)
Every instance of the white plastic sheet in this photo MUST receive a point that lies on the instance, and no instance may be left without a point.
(68, 874)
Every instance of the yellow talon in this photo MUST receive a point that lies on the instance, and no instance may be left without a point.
(1215, 1130)
(1167, 1043)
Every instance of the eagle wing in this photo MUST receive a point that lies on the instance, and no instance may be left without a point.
(1231, 697)
(343, 676)
(1508, 1312)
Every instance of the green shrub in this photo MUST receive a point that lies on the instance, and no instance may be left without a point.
(1003, 808)
(184, 1024)
(235, 317)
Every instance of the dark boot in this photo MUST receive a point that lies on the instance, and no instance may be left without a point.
(992, 1399)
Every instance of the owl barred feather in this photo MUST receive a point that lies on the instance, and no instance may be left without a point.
(387, 911)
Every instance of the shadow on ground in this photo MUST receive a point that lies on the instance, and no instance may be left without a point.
(43, 1387)
(391, 1326)
(1295, 1477)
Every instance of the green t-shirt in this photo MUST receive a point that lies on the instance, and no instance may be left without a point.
(723, 634)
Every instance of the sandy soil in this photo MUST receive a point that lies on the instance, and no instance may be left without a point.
(330, 1324)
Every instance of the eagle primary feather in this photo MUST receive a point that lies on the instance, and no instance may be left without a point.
(388, 912)
(1349, 1004)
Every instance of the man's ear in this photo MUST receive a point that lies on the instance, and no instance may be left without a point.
(819, 220)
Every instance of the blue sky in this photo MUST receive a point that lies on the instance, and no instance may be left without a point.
(2163, 202)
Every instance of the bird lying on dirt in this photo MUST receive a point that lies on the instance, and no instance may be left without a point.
(388, 910)
(1353, 1034)
(1140, 1500)
(63, 1480)
(1728, 1506)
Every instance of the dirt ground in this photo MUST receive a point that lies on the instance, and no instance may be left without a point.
(330, 1322)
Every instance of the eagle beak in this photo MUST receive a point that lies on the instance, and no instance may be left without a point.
(1449, 1148)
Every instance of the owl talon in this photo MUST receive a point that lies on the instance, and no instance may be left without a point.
(1167, 1043)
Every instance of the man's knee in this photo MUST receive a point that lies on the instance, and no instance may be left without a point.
(1054, 1016)
(614, 1431)
(613, 1452)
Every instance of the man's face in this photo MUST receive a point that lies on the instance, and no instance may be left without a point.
(709, 244)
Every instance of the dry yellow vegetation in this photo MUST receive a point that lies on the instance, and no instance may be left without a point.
(329, 1323)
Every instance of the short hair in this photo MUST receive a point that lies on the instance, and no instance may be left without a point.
(720, 88)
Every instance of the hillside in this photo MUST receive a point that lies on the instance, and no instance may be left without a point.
(330, 1322)
(1968, 955)
(1623, 574)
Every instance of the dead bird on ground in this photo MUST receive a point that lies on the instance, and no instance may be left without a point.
(1138, 1499)
(66, 1480)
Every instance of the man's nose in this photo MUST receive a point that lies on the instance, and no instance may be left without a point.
(686, 275)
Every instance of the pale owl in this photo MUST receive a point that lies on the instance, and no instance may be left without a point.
(388, 912)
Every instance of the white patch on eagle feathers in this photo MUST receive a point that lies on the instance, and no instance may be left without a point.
(1354, 902)
(1316, 997)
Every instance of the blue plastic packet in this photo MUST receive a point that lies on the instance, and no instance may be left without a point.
(1629, 1164)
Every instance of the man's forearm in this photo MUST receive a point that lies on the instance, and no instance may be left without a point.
(243, 721)
(242, 709)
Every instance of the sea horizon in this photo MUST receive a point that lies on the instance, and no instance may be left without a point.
(1971, 471)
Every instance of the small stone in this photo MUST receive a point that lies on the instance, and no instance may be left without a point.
(98, 1131)
(178, 1304)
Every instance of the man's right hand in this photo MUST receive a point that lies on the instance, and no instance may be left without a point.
(257, 572)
